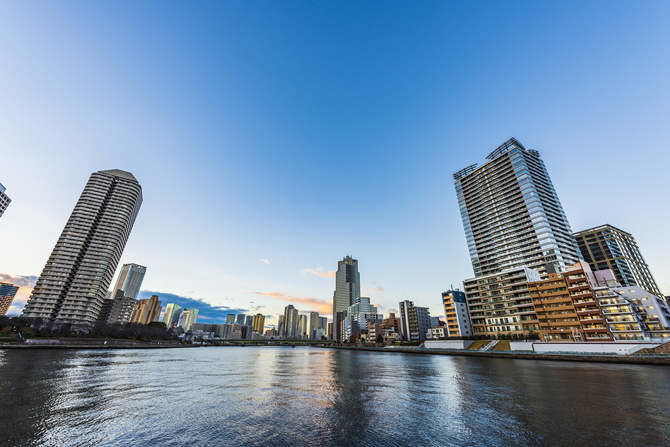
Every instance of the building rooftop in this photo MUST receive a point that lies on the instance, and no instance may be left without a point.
(120, 173)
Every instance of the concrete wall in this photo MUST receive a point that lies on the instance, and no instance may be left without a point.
(622, 348)
(521, 345)
(448, 344)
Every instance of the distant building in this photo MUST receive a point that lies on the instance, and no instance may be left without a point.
(188, 317)
(146, 311)
(456, 312)
(607, 247)
(4, 200)
(7, 294)
(414, 321)
(258, 323)
(347, 290)
(172, 314)
(230, 318)
(329, 331)
(118, 309)
(77, 275)
(302, 329)
(249, 320)
(391, 324)
(314, 324)
(271, 333)
(241, 319)
(130, 280)
(511, 214)
(290, 321)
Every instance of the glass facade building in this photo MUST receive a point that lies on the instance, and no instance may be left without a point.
(511, 214)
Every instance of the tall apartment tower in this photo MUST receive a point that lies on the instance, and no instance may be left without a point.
(75, 279)
(607, 247)
(130, 280)
(290, 320)
(511, 214)
(188, 318)
(7, 294)
(258, 323)
(347, 290)
(4, 200)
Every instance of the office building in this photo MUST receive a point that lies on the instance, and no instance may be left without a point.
(147, 311)
(511, 214)
(457, 315)
(4, 200)
(607, 247)
(188, 318)
(7, 294)
(290, 322)
(130, 280)
(77, 275)
(249, 320)
(314, 325)
(230, 319)
(241, 318)
(347, 290)
(172, 315)
(258, 323)
(302, 330)
(414, 321)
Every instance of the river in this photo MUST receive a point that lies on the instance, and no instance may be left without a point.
(315, 396)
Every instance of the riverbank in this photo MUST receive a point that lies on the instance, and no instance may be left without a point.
(630, 359)
(96, 344)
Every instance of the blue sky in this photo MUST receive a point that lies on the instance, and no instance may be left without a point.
(300, 132)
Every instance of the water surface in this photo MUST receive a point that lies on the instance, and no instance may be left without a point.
(314, 396)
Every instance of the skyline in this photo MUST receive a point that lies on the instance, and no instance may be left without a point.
(243, 202)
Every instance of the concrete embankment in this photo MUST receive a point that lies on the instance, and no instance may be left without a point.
(95, 345)
(630, 359)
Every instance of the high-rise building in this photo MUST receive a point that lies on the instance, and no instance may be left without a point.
(607, 247)
(188, 318)
(75, 279)
(290, 321)
(303, 326)
(172, 314)
(314, 324)
(130, 280)
(456, 312)
(258, 323)
(347, 289)
(414, 321)
(240, 319)
(147, 311)
(7, 294)
(249, 320)
(511, 213)
(4, 200)
(230, 319)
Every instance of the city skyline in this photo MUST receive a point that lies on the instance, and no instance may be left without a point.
(228, 222)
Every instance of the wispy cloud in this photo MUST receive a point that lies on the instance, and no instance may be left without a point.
(264, 261)
(322, 306)
(377, 289)
(319, 271)
(26, 284)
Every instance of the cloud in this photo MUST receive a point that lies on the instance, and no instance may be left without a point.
(206, 311)
(26, 284)
(265, 261)
(319, 271)
(321, 306)
(377, 289)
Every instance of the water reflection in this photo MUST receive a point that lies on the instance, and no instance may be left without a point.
(311, 396)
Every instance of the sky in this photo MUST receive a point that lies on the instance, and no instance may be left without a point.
(272, 139)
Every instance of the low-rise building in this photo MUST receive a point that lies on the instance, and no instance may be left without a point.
(457, 314)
